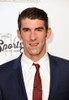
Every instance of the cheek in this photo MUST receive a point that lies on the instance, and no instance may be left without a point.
(24, 37)
(25, 40)
(43, 39)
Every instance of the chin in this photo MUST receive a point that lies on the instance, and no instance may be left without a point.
(34, 53)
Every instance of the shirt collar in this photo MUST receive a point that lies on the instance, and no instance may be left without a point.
(27, 63)
(44, 62)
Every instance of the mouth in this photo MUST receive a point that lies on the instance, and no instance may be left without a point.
(33, 45)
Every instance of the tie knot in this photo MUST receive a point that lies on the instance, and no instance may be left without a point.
(37, 66)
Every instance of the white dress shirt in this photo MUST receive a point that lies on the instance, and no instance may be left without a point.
(29, 71)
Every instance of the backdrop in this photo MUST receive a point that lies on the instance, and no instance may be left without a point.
(58, 13)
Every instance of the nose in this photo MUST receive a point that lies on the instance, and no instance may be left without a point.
(33, 35)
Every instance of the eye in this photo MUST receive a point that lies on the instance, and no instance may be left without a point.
(25, 29)
(39, 29)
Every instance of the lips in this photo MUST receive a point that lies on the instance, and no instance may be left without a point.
(34, 45)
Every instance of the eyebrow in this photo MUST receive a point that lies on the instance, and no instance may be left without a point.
(41, 28)
(25, 28)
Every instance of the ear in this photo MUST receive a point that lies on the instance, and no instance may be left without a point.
(48, 33)
(19, 35)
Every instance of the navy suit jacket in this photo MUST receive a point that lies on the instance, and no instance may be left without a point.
(12, 83)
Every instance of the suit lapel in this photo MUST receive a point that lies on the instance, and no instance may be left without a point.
(54, 77)
(18, 78)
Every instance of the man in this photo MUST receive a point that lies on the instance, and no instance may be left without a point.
(35, 75)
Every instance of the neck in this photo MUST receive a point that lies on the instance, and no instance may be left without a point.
(35, 58)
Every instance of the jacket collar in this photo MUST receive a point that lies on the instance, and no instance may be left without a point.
(18, 77)
(54, 76)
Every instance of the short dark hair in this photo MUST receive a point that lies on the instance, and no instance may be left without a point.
(33, 13)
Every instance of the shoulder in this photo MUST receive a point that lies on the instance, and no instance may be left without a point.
(61, 65)
(7, 65)
(7, 70)
(58, 60)
(10, 64)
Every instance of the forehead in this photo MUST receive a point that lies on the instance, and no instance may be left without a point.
(32, 22)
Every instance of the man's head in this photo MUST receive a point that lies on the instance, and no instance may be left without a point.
(33, 31)
(33, 13)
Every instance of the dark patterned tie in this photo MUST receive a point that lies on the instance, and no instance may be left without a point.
(37, 89)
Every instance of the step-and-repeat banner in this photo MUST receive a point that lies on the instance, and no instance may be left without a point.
(58, 12)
